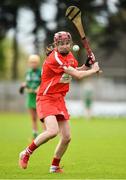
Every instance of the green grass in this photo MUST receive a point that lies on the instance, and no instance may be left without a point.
(97, 149)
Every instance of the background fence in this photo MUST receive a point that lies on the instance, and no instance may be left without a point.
(109, 97)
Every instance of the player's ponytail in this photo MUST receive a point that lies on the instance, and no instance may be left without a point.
(49, 49)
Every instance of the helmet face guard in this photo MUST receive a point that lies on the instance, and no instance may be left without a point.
(62, 36)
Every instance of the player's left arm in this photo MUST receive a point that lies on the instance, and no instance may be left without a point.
(82, 68)
(81, 74)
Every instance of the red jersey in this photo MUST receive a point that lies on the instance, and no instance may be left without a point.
(53, 73)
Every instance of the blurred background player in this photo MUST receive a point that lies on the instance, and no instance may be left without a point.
(88, 99)
(51, 106)
(31, 85)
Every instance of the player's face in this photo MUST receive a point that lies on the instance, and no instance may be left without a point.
(33, 64)
(64, 47)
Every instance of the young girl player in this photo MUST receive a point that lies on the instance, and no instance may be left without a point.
(58, 69)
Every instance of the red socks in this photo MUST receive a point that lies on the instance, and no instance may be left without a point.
(31, 148)
(55, 162)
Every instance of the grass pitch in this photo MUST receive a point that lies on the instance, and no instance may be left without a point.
(97, 149)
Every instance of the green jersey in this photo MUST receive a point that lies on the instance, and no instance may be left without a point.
(33, 79)
(88, 96)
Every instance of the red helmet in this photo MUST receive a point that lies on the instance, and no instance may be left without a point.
(62, 36)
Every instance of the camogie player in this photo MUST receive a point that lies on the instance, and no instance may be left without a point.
(58, 69)
(31, 84)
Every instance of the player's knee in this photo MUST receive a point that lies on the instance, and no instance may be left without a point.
(53, 133)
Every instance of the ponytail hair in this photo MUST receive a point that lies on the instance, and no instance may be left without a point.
(49, 49)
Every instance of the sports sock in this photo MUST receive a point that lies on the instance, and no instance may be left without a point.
(55, 162)
(31, 148)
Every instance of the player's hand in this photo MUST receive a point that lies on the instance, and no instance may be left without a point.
(21, 89)
(95, 67)
(90, 60)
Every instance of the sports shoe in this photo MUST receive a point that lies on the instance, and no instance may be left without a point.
(55, 169)
(23, 159)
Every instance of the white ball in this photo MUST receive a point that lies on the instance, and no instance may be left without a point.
(76, 48)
